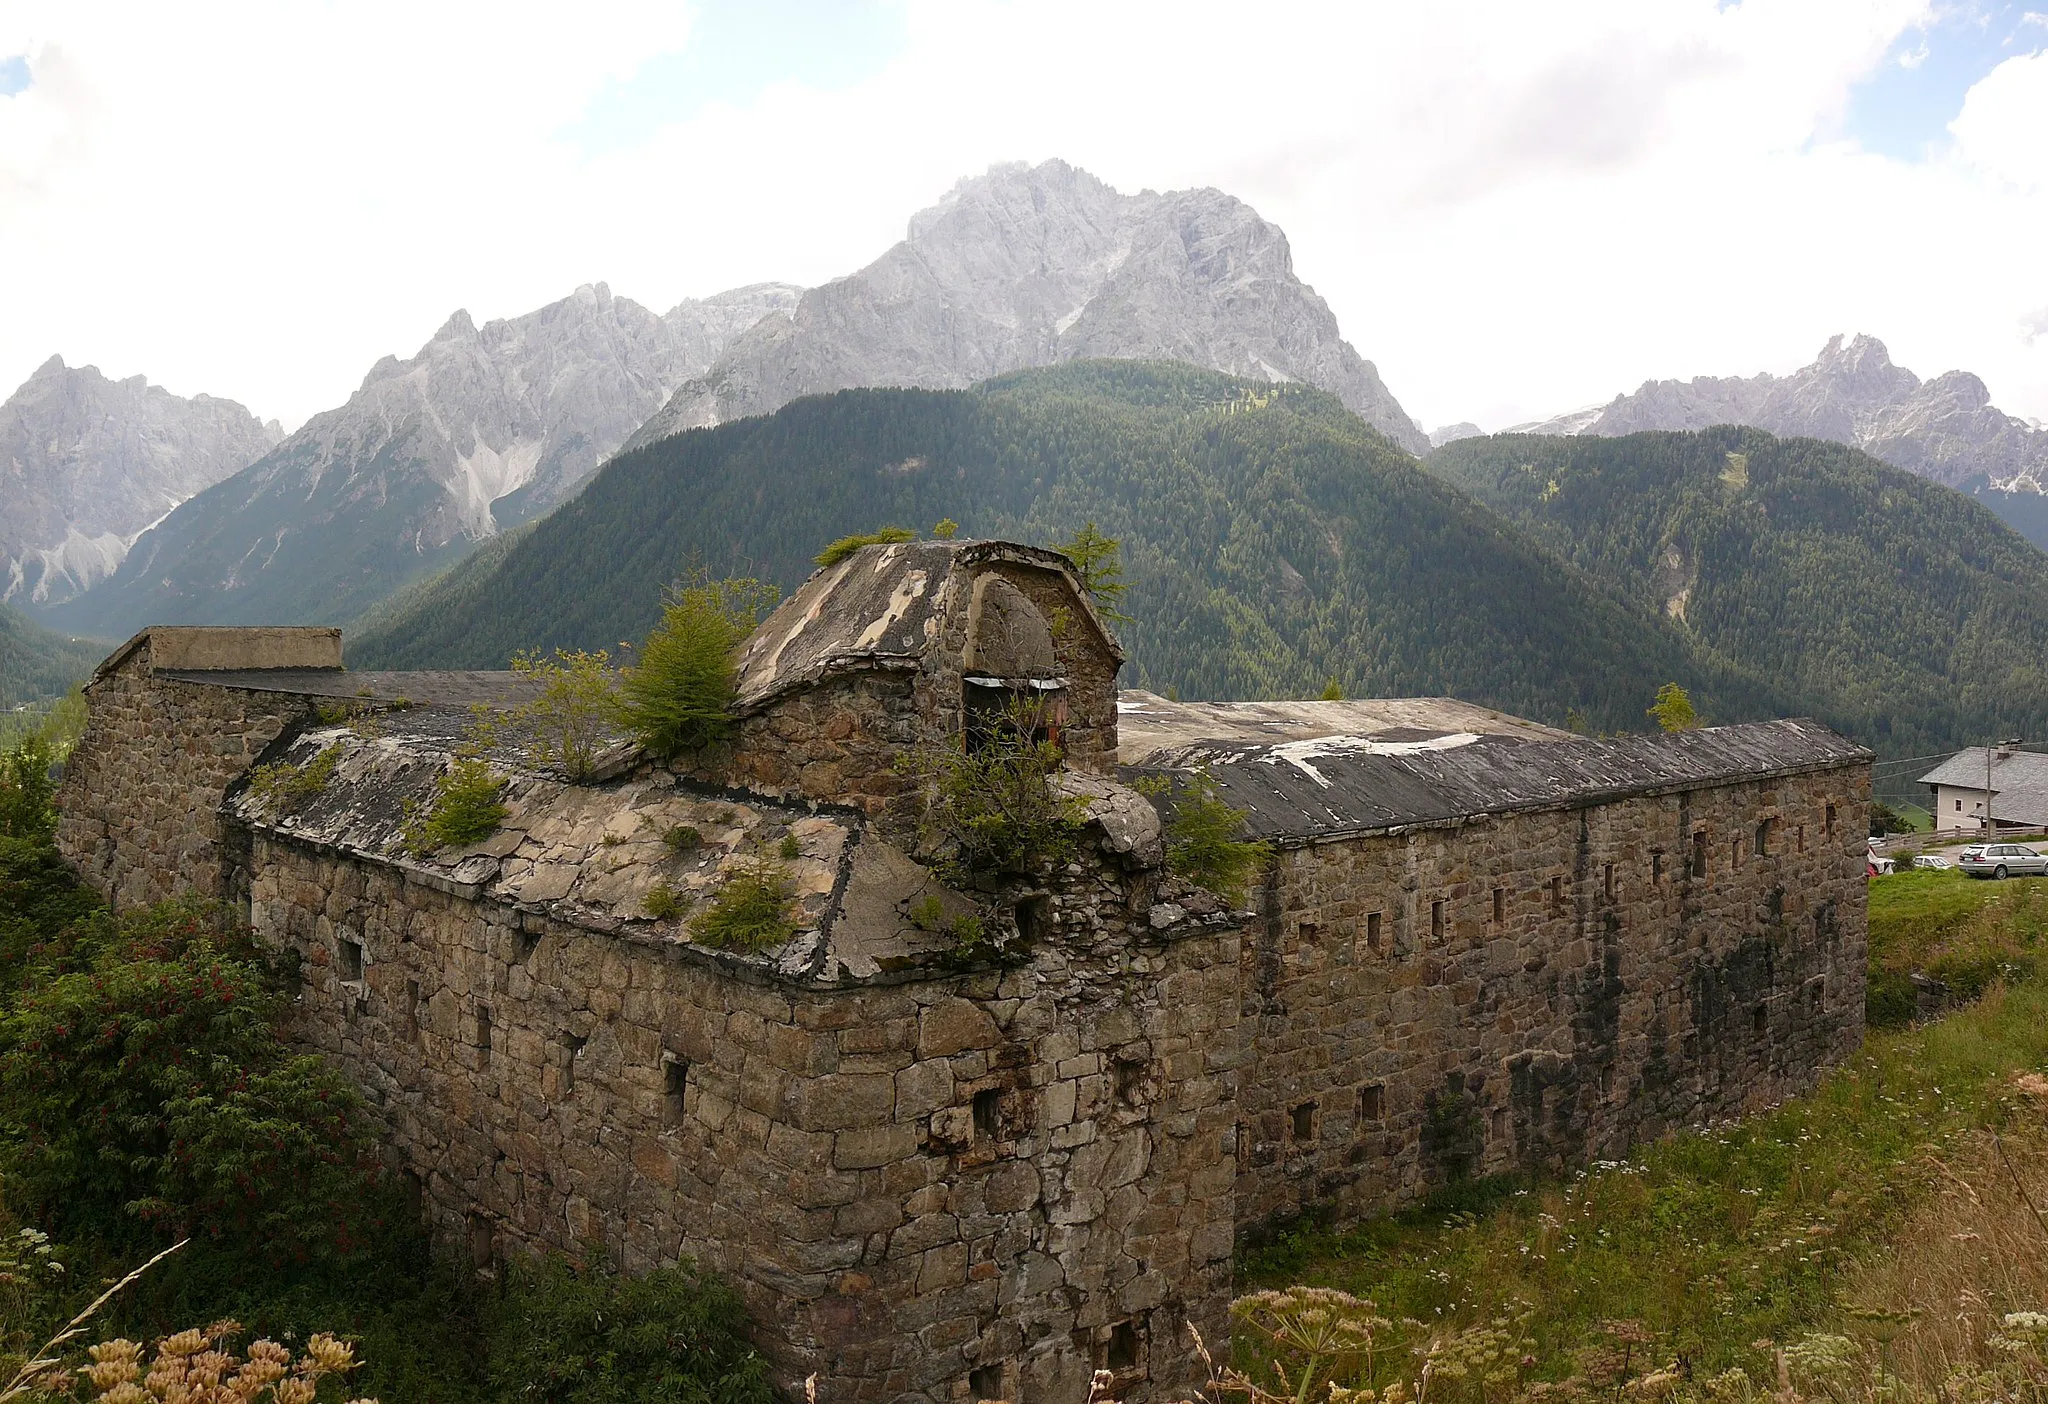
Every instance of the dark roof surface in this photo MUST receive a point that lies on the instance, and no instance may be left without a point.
(442, 687)
(1330, 786)
(2019, 781)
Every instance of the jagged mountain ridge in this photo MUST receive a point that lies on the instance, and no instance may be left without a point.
(483, 427)
(88, 463)
(1945, 429)
(1037, 265)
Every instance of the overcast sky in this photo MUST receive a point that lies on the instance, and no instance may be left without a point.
(1514, 208)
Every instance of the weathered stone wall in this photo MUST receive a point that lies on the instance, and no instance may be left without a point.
(980, 1185)
(1530, 991)
(138, 813)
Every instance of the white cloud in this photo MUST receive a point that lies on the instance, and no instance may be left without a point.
(1512, 208)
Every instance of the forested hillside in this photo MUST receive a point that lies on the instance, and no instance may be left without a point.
(37, 665)
(1271, 541)
(1909, 611)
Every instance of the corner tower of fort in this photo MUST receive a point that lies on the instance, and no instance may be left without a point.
(949, 1168)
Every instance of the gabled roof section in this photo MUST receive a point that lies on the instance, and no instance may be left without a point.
(1149, 725)
(2019, 781)
(881, 607)
(1333, 786)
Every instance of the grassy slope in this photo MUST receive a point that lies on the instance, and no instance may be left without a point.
(1272, 540)
(1792, 1222)
(1919, 618)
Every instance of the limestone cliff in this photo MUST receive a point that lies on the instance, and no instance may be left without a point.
(1031, 266)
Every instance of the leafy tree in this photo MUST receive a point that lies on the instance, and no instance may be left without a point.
(680, 696)
(846, 545)
(1673, 709)
(1097, 562)
(26, 791)
(573, 716)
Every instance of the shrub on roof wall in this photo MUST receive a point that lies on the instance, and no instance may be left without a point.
(571, 718)
(1204, 835)
(680, 696)
(467, 807)
(993, 808)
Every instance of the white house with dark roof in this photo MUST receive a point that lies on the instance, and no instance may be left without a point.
(2018, 783)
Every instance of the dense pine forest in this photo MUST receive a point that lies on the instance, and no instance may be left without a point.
(36, 665)
(1272, 541)
(1906, 613)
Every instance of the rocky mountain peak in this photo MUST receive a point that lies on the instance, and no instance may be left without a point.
(1034, 265)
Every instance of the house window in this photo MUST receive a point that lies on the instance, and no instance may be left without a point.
(483, 1031)
(1372, 1102)
(1799, 835)
(986, 1382)
(1656, 865)
(1130, 1081)
(1500, 1126)
(1557, 896)
(675, 1088)
(571, 1046)
(1607, 881)
(1699, 854)
(1735, 853)
(1500, 906)
(1121, 1351)
(1831, 819)
(1302, 1122)
(351, 960)
(1372, 932)
(990, 709)
(1436, 922)
(987, 1110)
(1307, 933)
(1763, 839)
(1959, 806)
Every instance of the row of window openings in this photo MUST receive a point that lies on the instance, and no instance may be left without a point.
(1760, 844)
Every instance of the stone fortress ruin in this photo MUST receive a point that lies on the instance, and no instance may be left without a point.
(944, 1169)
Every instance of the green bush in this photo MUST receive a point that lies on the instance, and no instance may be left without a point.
(561, 1335)
(572, 717)
(994, 809)
(26, 790)
(663, 903)
(287, 786)
(467, 807)
(681, 838)
(1203, 842)
(680, 696)
(752, 911)
(145, 1092)
(846, 545)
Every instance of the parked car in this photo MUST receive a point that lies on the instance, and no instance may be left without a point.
(1933, 860)
(1997, 860)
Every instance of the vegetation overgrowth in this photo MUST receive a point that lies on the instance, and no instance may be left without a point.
(147, 1094)
(680, 694)
(1873, 1240)
(994, 806)
(752, 911)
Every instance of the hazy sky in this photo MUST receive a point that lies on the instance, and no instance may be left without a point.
(1515, 208)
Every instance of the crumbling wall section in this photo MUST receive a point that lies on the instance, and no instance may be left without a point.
(1526, 992)
(979, 1184)
(138, 812)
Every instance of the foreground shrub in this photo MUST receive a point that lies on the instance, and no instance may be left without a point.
(145, 1092)
(571, 719)
(680, 696)
(561, 1335)
(752, 911)
(467, 807)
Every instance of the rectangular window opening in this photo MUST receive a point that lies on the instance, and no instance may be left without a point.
(985, 1382)
(1436, 922)
(1307, 932)
(1500, 906)
(1130, 1081)
(987, 1110)
(1763, 839)
(1500, 1126)
(675, 1089)
(1800, 835)
(1373, 936)
(1607, 881)
(351, 960)
(1760, 1019)
(1557, 896)
(1830, 819)
(1656, 865)
(1302, 1122)
(571, 1046)
(1372, 1102)
(483, 1242)
(1120, 1352)
(1699, 854)
(483, 1031)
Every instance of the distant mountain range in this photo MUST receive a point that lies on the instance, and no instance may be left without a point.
(1945, 429)
(484, 427)
(87, 464)
(1037, 265)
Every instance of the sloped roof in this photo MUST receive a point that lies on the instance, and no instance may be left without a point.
(1149, 725)
(1332, 786)
(881, 607)
(2019, 781)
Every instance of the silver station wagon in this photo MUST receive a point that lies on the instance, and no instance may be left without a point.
(1997, 860)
